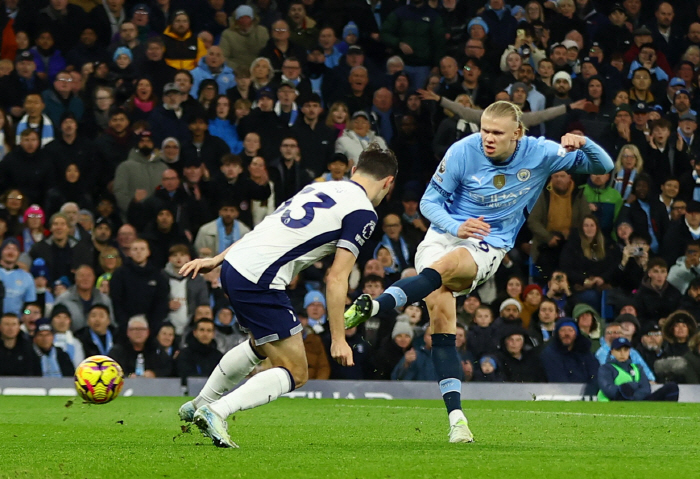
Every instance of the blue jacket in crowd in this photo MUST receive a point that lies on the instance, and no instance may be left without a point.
(225, 79)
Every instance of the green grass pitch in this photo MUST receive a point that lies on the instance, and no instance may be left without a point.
(306, 438)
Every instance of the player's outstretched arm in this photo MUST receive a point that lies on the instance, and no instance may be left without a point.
(204, 265)
(596, 159)
(336, 292)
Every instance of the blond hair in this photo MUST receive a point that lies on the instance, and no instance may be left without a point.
(638, 165)
(507, 109)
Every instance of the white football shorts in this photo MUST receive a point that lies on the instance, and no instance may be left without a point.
(435, 245)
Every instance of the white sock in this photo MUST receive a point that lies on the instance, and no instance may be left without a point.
(375, 308)
(260, 389)
(231, 370)
(455, 416)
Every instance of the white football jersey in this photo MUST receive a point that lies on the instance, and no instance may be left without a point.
(303, 230)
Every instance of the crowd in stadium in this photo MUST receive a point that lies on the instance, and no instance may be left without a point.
(135, 136)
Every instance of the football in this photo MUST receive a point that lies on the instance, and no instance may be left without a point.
(98, 379)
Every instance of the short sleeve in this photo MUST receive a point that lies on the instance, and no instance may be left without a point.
(448, 175)
(357, 228)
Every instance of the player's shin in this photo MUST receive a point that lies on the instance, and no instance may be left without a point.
(261, 389)
(448, 369)
(407, 291)
(232, 369)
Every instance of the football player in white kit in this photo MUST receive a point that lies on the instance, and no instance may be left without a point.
(322, 219)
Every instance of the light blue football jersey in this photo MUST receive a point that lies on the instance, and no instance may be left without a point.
(467, 184)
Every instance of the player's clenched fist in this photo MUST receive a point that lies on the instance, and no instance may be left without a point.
(572, 142)
(474, 228)
(342, 353)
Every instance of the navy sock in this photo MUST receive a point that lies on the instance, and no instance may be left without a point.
(449, 369)
(409, 290)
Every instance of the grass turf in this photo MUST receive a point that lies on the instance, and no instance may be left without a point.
(290, 438)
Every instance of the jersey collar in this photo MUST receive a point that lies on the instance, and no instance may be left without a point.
(501, 163)
(356, 183)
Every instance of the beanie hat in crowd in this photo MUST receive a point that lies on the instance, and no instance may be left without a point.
(511, 302)
(122, 51)
(562, 75)
(351, 29)
(529, 288)
(34, 210)
(402, 327)
(10, 240)
(490, 360)
(60, 308)
(478, 21)
(39, 269)
(314, 297)
(244, 11)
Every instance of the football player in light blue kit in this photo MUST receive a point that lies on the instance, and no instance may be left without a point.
(477, 201)
(335, 217)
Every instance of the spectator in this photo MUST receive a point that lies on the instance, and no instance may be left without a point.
(243, 39)
(337, 169)
(200, 356)
(559, 209)
(210, 149)
(304, 31)
(64, 337)
(221, 233)
(667, 37)
(169, 119)
(31, 313)
(589, 323)
(316, 357)
(589, 261)
(88, 50)
(128, 39)
(18, 284)
(465, 314)
(107, 18)
(185, 293)
(98, 336)
(650, 346)
(416, 365)
(63, 253)
(183, 50)
(155, 66)
(228, 331)
(138, 287)
(315, 139)
(113, 146)
(628, 165)
(620, 379)
(15, 349)
(286, 171)
(22, 81)
(568, 357)
(286, 107)
(222, 124)
(501, 24)
(27, 168)
(162, 233)
(142, 170)
(620, 134)
(140, 357)
(612, 332)
(646, 213)
(354, 141)
(393, 350)
(541, 328)
(687, 267)
(681, 233)
(80, 297)
(656, 298)
(604, 200)
(487, 370)
(61, 99)
(212, 67)
(518, 365)
(482, 336)
(660, 164)
(279, 48)
(692, 371)
(677, 330)
(49, 361)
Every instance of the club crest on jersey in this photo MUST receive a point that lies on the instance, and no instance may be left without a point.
(499, 181)
(523, 175)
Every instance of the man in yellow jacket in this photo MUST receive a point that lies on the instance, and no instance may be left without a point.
(183, 50)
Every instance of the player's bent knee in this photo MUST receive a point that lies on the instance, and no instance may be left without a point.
(300, 375)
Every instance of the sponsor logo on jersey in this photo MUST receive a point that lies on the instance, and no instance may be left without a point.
(499, 181)
(441, 168)
(523, 175)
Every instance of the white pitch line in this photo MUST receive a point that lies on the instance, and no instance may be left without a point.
(515, 411)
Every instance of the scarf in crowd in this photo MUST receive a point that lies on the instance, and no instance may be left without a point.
(222, 237)
(63, 341)
(624, 189)
(45, 129)
(114, 22)
(104, 349)
(49, 363)
(292, 114)
(396, 264)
